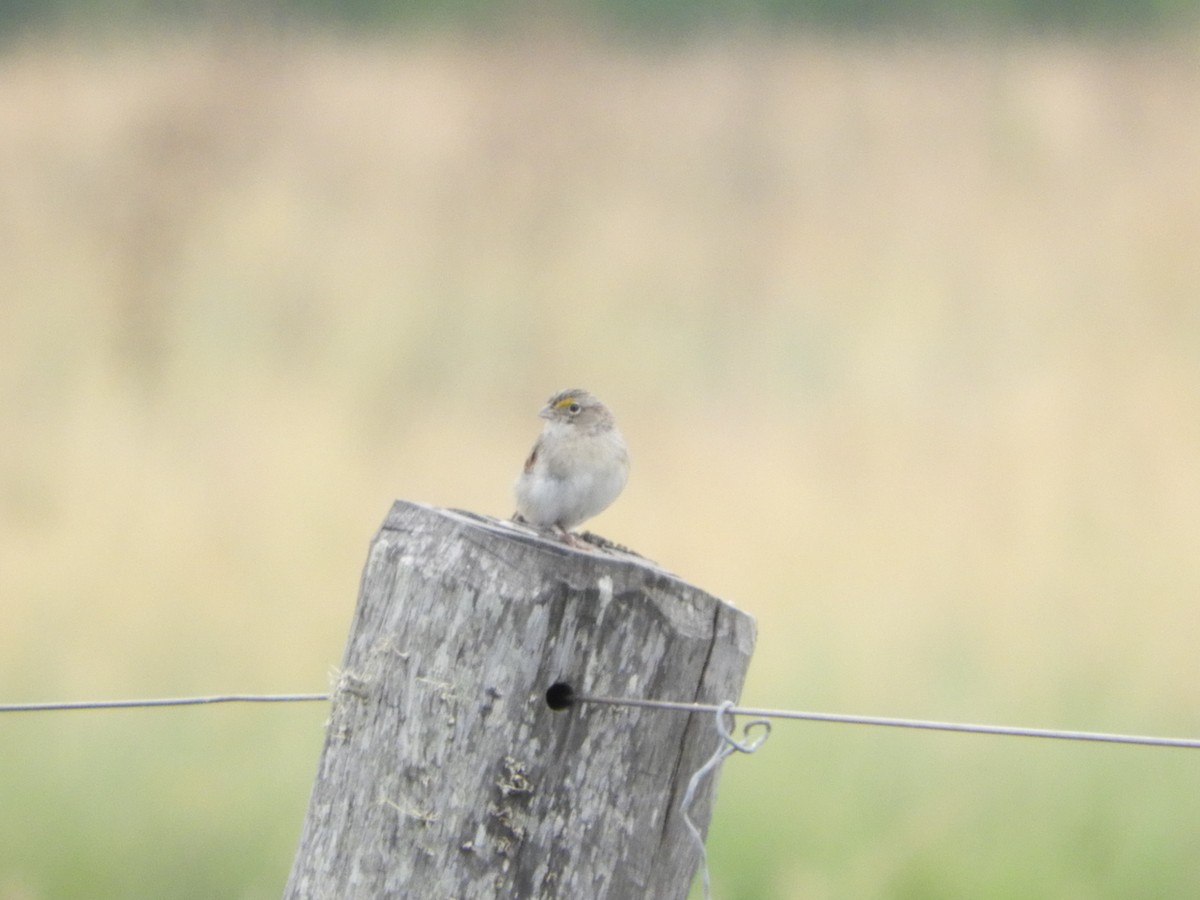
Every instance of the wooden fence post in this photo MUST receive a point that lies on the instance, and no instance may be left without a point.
(445, 774)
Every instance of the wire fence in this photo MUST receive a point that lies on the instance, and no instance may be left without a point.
(57, 706)
(562, 696)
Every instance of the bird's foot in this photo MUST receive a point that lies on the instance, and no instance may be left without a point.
(571, 539)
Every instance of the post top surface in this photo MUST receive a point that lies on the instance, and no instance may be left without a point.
(404, 513)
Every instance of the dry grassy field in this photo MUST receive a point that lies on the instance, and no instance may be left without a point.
(904, 336)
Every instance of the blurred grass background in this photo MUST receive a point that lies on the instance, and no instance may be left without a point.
(901, 326)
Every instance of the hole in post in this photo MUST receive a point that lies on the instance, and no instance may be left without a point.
(560, 696)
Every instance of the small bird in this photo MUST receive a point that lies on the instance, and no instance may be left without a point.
(578, 465)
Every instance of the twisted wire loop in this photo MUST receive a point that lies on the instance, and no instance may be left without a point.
(724, 723)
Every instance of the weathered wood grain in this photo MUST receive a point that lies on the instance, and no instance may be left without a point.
(446, 775)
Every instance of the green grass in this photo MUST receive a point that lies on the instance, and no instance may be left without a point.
(196, 803)
(902, 334)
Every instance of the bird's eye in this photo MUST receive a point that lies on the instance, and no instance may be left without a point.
(574, 408)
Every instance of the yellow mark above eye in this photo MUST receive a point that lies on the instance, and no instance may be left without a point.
(565, 401)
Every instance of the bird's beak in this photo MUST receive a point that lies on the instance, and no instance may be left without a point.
(547, 412)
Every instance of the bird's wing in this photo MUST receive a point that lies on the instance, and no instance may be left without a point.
(533, 455)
